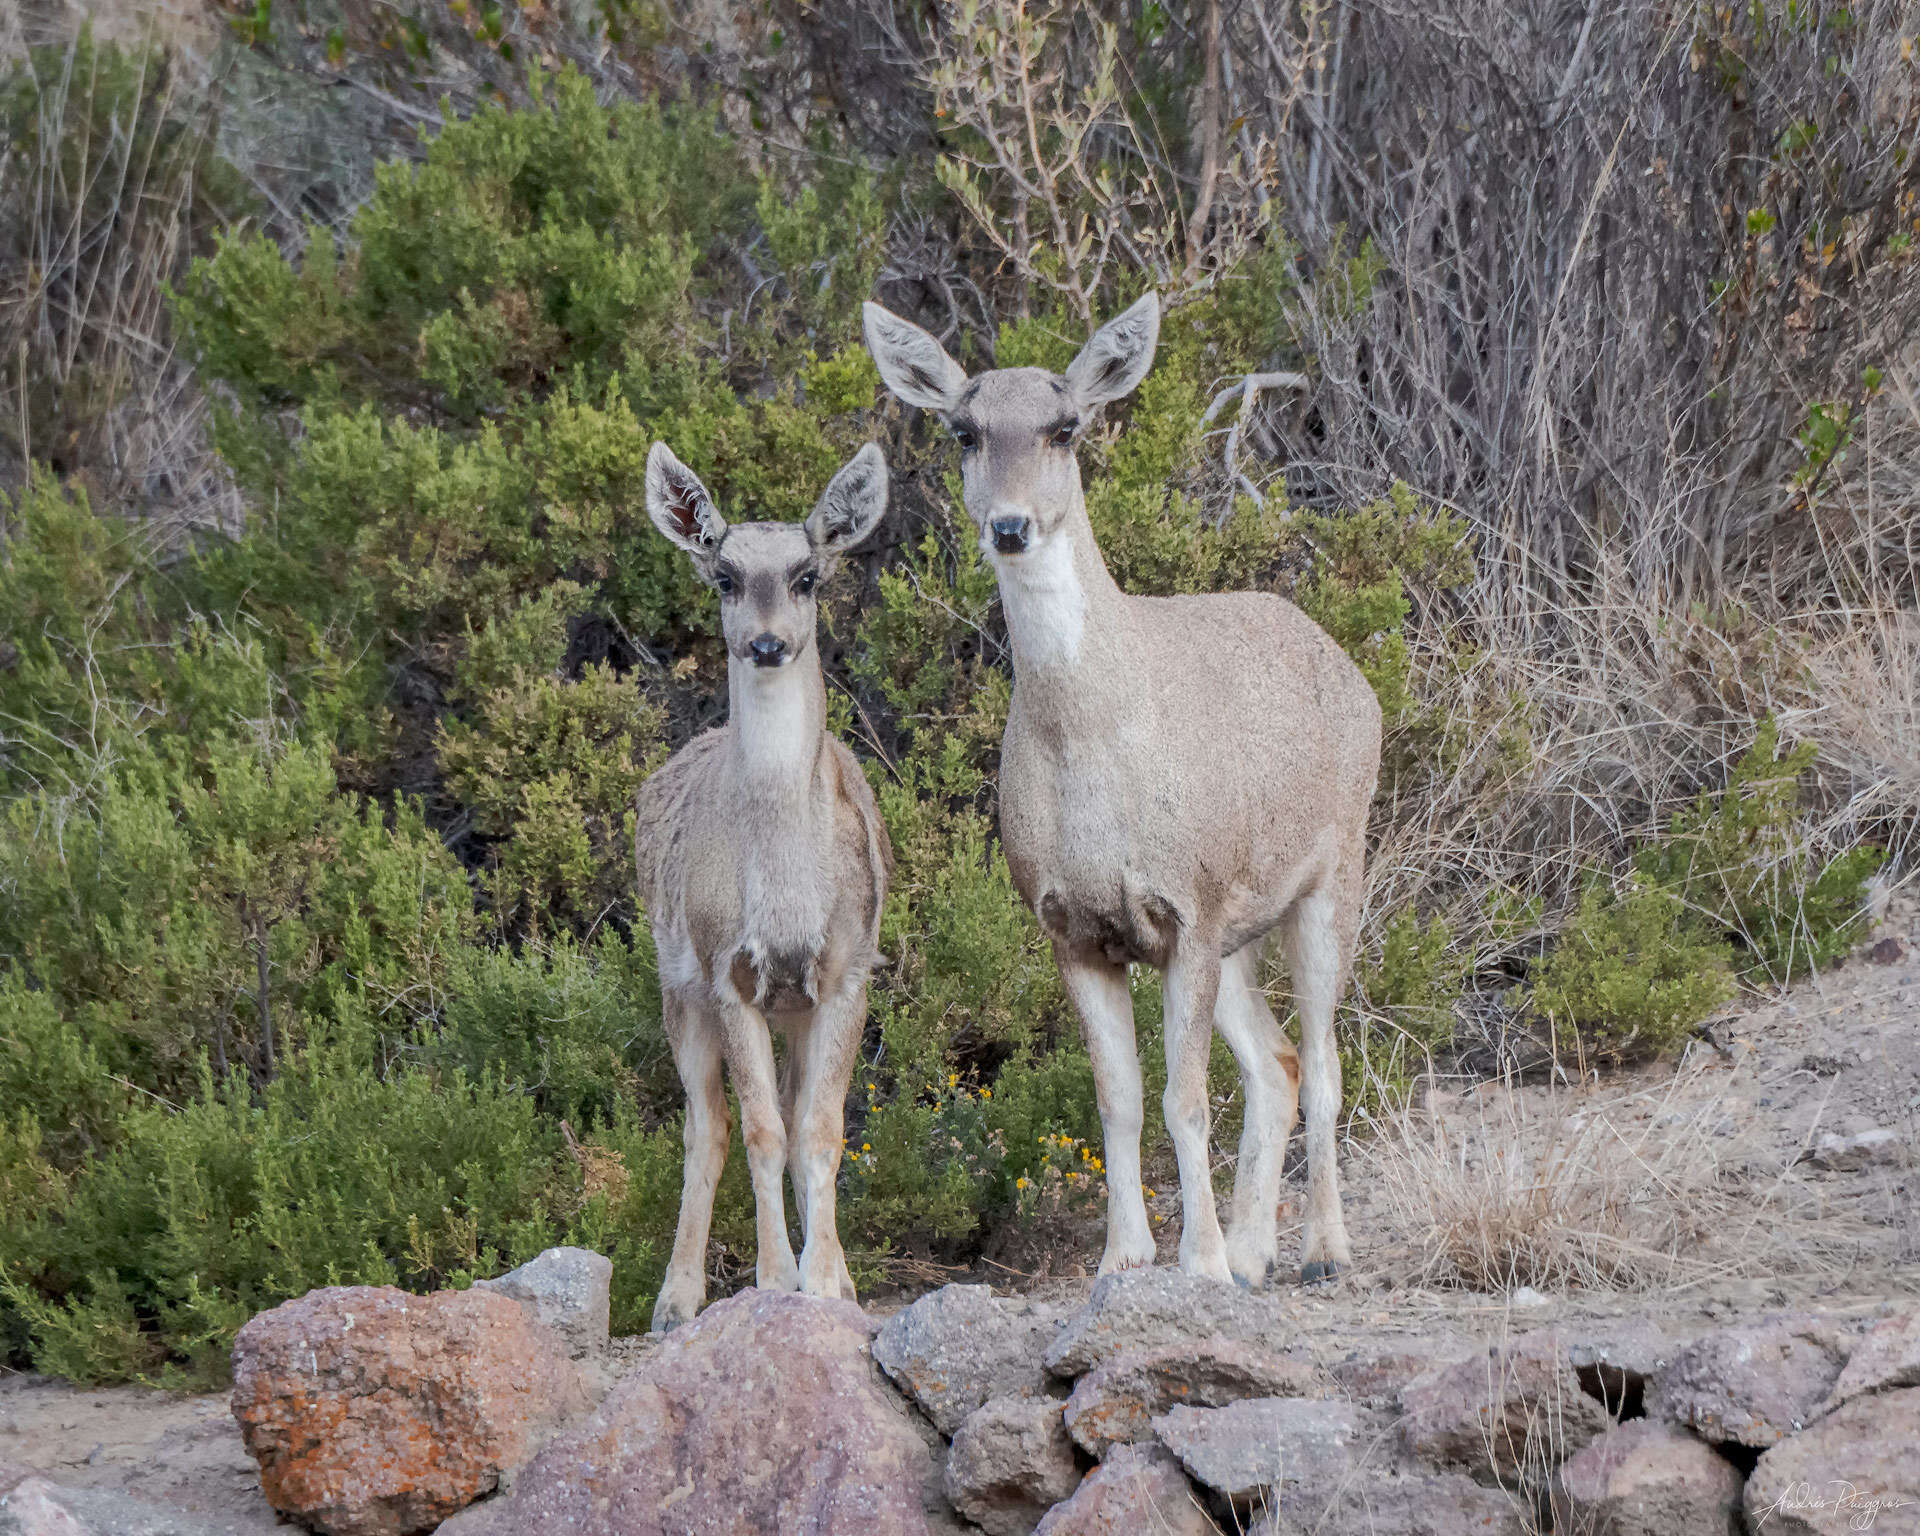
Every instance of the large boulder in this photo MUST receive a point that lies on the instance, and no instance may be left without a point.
(373, 1412)
(1134, 1309)
(32, 1506)
(1399, 1504)
(569, 1290)
(1116, 1401)
(1011, 1461)
(1886, 1356)
(1262, 1446)
(763, 1414)
(1858, 1469)
(1376, 1378)
(1505, 1416)
(958, 1346)
(1138, 1489)
(1648, 1478)
(1754, 1384)
(1617, 1364)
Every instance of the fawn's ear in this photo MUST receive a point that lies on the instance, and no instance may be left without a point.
(851, 506)
(913, 365)
(681, 508)
(1117, 356)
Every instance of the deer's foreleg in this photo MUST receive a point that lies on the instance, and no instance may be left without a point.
(1191, 987)
(1098, 989)
(749, 1050)
(826, 1054)
(695, 1037)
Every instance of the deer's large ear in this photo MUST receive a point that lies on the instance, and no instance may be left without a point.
(1117, 356)
(680, 506)
(851, 506)
(914, 365)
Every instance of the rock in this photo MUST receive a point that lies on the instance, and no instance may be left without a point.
(1503, 1415)
(960, 1345)
(374, 1412)
(1648, 1478)
(1887, 1355)
(1010, 1462)
(1138, 1489)
(32, 1506)
(1408, 1504)
(763, 1414)
(1262, 1445)
(1115, 1401)
(1888, 951)
(1754, 1384)
(1856, 1470)
(1153, 1309)
(1615, 1367)
(1376, 1380)
(566, 1289)
(1877, 1148)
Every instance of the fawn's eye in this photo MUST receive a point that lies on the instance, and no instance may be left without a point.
(807, 581)
(1063, 437)
(724, 583)
(965, 437)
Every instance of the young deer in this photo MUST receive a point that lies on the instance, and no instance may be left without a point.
(1179, 776)
(763, 864)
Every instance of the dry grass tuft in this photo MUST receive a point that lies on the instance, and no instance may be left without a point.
(1593, 1189)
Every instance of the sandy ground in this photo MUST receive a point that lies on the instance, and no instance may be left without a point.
(1839, 1055)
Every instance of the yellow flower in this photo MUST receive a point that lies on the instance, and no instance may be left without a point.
(866, 1146)
(1145, 1191)
(986, 1093)
(1019, 1183)
(952, 1078)
(869, 1087)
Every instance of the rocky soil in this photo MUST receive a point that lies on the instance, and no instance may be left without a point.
(1777, 1353)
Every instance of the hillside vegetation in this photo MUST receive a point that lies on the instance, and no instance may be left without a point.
(1563, 369)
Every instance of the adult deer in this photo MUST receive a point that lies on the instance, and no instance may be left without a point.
(763, 863)
(1179, 777)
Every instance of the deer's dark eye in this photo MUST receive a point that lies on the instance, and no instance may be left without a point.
(724, 583)
(806, 582)
(966, 439)
(1063, 438)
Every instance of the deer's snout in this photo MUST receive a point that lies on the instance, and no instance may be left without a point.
(1011, 532)
(768, 649)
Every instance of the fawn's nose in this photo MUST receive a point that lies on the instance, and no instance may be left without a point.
(769, 650)
(1010, 533)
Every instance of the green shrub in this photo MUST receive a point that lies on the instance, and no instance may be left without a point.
(1633, 972)
(1744, 860)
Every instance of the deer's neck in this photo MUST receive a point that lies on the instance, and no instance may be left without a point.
(1056, 595)
(779, 717)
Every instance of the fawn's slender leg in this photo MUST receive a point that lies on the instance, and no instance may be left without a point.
(694, 1035)
(818, 1131)
(749, 1052)
(1270, 1075)
(1319, 944)
(1098, 989)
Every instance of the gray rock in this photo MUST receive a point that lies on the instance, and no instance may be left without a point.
(1648, 1478)
(1264, 1445)
(763, 1414)
(1011, 1461)
(1858, 1469)
(1506, 1416)
(1617, 1365)
(1115, 1401)
(1886, 1356)
(1156, 1308)
(1137, 1491)
(1877, 1148)
(1376, 1380)
(568, 1290)
(1403, 1504)
(35, 1507)
(956, 1347)
(1754, 1384)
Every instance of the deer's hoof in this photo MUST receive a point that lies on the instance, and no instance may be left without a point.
(1319, 1271)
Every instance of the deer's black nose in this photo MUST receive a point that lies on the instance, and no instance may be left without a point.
(1009, 534)
(768, 650)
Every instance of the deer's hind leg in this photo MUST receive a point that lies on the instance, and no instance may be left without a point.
(694, 1035)
(1270, 1074)
(1320, 933)
(1191, 988)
